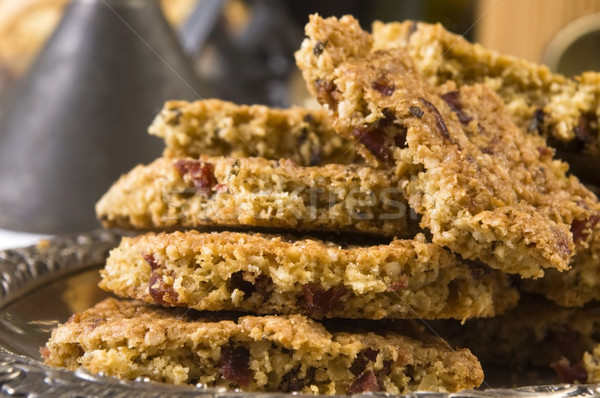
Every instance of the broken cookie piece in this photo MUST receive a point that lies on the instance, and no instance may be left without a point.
(575, 287)
(220, 128)
(564, 110)
(486, 189)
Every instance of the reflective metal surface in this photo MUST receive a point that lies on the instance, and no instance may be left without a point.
(43, 285)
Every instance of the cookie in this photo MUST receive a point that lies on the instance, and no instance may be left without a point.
(486, 189)
(563, 109)
(535, 334)
(267, 274)
(575, 287)
(220, 128)
(128, 339)
(255, 192)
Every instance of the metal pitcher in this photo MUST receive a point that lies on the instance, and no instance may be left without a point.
(79, 118)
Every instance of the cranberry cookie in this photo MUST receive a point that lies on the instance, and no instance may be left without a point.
(487, 189)
(269, 274)
(128, 339)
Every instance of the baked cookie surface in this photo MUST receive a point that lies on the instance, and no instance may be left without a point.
(575, 287)
(220, 128)
(267, 274)
(128, 339)
(487, 190)
(255, 192)
(564, 110)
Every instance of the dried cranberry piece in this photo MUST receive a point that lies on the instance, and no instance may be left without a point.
(201, 173)
(581, 228)
(149, 257)
(373, 137)
(370, 353)
(362, 359)
(439, 120)
(234, 365)
(387, 368)
(358, 365)
(374, 141)
(327, 93)
(570, 373)
(563, 243)
(398, 285)
(585, 131)
(292, 382)
(160, 291)
(383, 86)
(452, 98)
(318, 300)
(366, 382)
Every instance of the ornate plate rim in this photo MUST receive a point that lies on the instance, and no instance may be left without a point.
(24, 269)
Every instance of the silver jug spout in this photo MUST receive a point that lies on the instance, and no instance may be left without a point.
(78, 119)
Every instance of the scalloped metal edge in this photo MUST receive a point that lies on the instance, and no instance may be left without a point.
(26, 268)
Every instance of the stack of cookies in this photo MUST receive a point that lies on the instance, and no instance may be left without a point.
(283, 241)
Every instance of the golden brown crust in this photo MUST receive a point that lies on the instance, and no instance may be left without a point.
(486, 189)
(525, 87)
(220, 128)
(575, 287)
(292, 353)
(238, 192)
(267, 274)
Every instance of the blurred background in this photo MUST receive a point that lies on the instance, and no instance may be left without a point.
(532, 29)
(240, 50)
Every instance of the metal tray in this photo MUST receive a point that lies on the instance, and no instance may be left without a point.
(41, 286)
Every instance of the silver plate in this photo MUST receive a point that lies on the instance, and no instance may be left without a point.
(41, 286)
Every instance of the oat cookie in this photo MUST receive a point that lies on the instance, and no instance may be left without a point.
(268, 274)
(128, 339)
(536, 333)
(575, 287)
(486, 189)
(244, 192)
(220, 128)
(564, 110)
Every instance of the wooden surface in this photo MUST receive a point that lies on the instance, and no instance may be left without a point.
(525, 27)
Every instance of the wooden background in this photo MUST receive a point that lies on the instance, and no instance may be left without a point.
(525, 27)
